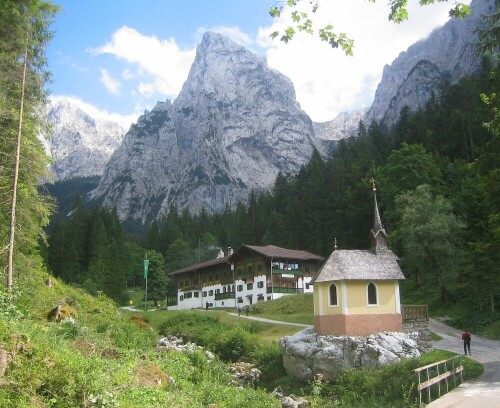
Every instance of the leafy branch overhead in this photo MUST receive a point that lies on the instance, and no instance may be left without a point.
(301, 20)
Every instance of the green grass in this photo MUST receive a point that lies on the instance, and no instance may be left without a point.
(492, 330)
(435, 337)
(293, 309)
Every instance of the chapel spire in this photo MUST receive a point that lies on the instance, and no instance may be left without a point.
(378, 236)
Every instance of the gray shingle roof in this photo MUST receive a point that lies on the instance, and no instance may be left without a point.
(201, 265)
(356, 264)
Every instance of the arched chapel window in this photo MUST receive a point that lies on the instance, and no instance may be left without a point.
(372, 294)
(333, 295)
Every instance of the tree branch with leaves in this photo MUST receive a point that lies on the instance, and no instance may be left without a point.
(302, 20)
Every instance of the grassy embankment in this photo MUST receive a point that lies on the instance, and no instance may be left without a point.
(107, 357)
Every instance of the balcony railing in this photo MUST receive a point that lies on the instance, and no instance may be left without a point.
(278, 289)
(226, 295)
(289, 271)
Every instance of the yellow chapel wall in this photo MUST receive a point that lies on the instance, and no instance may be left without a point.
(352, 297)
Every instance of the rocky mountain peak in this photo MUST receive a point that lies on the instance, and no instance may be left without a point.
(80, 145)
(234, 126)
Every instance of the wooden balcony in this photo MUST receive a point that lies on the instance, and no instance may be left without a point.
(298, 272)
(278, 289)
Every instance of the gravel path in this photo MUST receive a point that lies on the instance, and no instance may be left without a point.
(261, 319)
(481, 393)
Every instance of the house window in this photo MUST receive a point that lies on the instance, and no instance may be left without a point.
(196, 294)
(307, 285)
(217, 291)
(181, 298)
(332, 295)
(210, 293)
(188, 295)
(240, 288)
(204, 293)
(260, 284)
(372, 294)
(250, 286)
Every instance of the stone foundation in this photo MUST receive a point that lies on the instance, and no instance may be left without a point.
(420, 332)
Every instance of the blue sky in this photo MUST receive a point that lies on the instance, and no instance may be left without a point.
(117, 58)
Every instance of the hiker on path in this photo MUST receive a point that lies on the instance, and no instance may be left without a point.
(247, 309)
(466, 337)
(239, 310)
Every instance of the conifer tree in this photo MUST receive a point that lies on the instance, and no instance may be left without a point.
(24, 33)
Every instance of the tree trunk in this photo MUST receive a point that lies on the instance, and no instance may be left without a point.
(16, 177)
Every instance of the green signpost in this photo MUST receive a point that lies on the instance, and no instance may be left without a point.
(146, 265)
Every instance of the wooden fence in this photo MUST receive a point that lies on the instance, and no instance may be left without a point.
(437, 373)
(414, 312)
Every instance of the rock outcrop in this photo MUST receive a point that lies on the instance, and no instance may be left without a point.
(307, 354)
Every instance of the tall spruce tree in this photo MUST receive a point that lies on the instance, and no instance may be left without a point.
(24, 33)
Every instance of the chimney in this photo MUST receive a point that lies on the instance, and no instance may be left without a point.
(220, 254)
(229, 251)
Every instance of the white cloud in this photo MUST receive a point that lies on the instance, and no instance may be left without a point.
(123, 120)
(161, 65)
(328, 82)
(111, 84)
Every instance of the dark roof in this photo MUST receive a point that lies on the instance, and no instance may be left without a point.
(359, 265)
(272, 251)
(201, 265)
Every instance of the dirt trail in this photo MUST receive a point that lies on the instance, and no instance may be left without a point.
(481, 393)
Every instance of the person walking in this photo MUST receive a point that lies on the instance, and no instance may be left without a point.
(239, 310)
(466, 337)
(247, 309)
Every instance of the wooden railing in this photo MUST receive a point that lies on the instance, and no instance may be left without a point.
(436, 373)
(414, 312)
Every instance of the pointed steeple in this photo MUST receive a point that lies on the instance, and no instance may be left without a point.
(378, 236)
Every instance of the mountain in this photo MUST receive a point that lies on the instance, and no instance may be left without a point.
(80, 145)
(329, 133)
(234, 126)
(449, 53)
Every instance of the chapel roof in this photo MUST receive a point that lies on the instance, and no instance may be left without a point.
(379, 263)
(346, 264)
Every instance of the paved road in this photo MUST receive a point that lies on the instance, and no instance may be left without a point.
(481, 393)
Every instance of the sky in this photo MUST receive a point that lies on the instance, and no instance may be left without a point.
(118, 58)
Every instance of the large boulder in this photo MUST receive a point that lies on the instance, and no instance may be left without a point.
(306, 353)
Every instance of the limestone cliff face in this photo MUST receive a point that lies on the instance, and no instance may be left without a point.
(79, 145)
(449, 53)
(233, 127)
